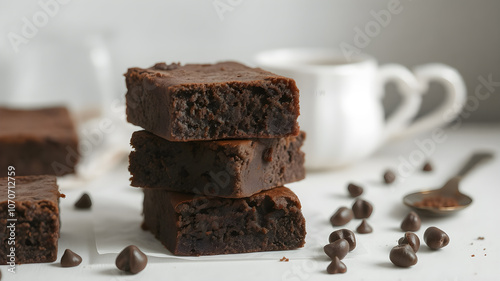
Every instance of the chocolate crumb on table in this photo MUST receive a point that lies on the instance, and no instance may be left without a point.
(223, 168)
(38, 141)
(191, 225)
(211, 101)
(37, 214)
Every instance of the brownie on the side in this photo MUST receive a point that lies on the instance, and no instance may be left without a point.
(190, 225)
(38, 141)
(211, 101)
(223, 168)
(35, 219)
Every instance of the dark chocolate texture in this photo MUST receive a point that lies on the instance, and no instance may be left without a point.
(190, 225)
(38, 142)
(211, 101)
(37, 214)
(224, 168)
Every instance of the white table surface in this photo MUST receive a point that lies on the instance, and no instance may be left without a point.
(321, 194)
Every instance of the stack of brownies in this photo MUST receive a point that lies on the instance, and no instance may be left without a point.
(220, 141)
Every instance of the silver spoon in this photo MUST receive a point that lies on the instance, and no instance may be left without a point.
(448, 191)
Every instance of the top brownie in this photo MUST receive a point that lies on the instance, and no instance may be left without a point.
(226, 100)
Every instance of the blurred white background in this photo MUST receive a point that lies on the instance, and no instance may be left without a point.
(55, 54)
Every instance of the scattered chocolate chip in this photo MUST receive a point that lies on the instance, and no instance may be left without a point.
(435, 238)
(354, 190)
(411, 222)
(364, 228)
(389, 176)
(362, 209)
(267, 155)
(403, 256)
(164, 66)
(336, 266)
(344, 234)
(70, 259)
(84, 202)
(338, 248)
(427, 167)
(342, 216)
(411, 239)
(131, 259)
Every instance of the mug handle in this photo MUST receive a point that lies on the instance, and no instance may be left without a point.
(412, 87)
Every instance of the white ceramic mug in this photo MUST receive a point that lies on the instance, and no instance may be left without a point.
(340, 101)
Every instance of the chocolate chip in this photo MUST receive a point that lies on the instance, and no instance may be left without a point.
(427, 167)
(342, 216)
(362, 209)
(336, 266)
(354, 190)
(403, 256)
(84, 202)
(364, 228)
(164, 66)
(389, 176)
(411, 222)
(435, 238)
(344, 234)
(131, 259)
(338, 248)
(411, 239)
(70, 259)
(267, 155)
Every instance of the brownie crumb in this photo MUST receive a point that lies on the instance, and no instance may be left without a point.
(472, 255)
(437, 202)
(480, 238)
(285, 259)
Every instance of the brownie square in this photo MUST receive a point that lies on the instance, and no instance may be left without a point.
(223, 168)
(190, 225)
(38, 141)
(34, 220)
(211, 101)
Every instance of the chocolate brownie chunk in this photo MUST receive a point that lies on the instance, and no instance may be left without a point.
(190, 225)
(223, 168)
(38, 142)
(30, 219)
(211, 101)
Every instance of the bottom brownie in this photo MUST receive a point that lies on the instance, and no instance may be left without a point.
(29, 221)
(190, 225)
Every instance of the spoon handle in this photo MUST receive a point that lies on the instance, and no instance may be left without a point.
(475, 159)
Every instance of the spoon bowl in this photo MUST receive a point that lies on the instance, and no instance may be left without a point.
(412, 200)
(448, 199)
